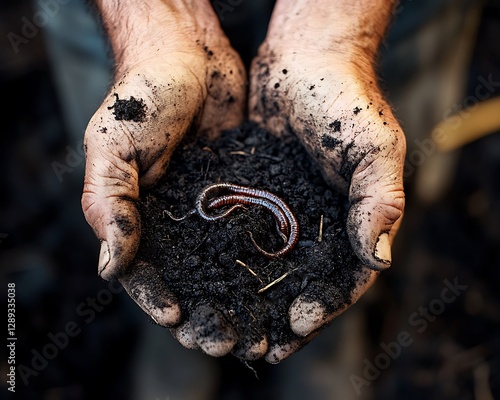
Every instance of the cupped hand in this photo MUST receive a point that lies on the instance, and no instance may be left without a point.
(332, 103)
(174, 75)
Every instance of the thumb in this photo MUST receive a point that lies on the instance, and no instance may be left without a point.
(377, 202)
(110, 191)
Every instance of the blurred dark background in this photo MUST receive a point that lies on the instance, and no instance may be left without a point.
(82, 338)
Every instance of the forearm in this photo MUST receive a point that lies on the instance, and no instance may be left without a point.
(137, 28)
(344, 27)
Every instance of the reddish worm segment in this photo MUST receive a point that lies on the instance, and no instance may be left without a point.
(281, 220)
(282, 223)
(287, 223)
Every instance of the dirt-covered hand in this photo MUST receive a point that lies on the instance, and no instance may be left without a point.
(318, 83)
(175, 73)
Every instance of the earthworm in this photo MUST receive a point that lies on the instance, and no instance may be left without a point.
(230, 194)
(287, 223)
(281, 219)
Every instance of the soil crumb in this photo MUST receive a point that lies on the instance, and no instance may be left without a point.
(214, 262)
(129, 110)
(336, 125)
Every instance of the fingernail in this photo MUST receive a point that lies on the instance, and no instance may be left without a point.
(382, 251)
(306, 317)
(104, 257)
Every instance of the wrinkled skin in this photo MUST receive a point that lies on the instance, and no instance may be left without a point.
(330, 101)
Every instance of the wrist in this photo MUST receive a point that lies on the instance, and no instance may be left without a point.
(345, 29)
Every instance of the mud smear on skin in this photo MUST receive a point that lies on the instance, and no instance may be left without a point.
(215, 263)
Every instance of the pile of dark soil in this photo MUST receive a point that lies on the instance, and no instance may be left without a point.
(215, 263)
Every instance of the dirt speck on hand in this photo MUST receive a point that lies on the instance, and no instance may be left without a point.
(336, 125)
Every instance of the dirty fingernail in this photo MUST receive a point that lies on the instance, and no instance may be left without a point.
(306, 317)
(382, 251)
(104, 257)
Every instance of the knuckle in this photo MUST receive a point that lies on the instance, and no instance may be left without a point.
(391, 205)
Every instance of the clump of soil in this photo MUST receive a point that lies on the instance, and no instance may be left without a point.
(215, 263)
(128, 110)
